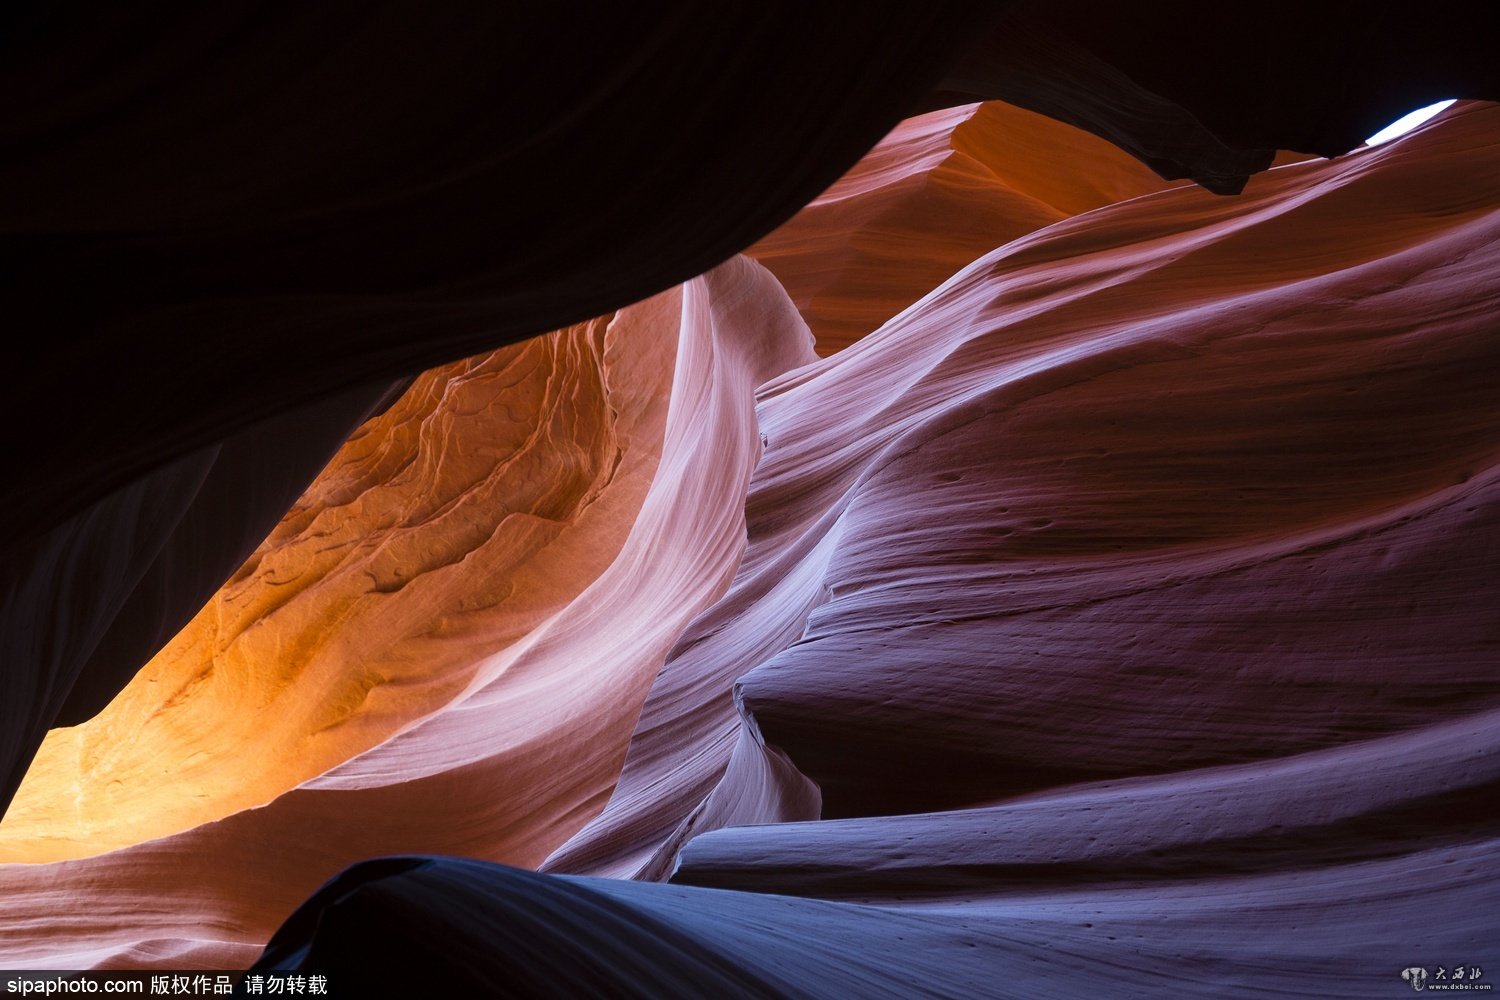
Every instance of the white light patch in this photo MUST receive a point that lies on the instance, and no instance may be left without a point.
(1406, 123)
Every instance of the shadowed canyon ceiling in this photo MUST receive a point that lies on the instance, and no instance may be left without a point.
(553, 503)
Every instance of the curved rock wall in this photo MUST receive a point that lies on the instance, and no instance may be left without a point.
(480, 707)
(1118, 613)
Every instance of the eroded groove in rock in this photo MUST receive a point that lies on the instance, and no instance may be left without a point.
(465, 927)
(1180, 483)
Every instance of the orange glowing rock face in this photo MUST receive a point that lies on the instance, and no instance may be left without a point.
(937, 192)
(451, 526)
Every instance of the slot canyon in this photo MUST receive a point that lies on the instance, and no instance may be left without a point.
(765, 500)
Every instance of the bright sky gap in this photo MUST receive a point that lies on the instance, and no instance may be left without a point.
(1406, 123)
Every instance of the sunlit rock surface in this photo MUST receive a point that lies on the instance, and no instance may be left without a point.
(443, 647)
(378, 599)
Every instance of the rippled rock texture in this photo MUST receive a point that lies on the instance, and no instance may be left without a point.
(1123, 609)
(1109, 610)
